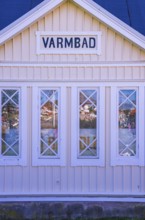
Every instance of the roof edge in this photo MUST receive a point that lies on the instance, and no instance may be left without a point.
(27, 19)
(89, 5)
(112, 21)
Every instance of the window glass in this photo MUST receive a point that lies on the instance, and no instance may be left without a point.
(88, 124)
(127, 123)
(49, 123)
(10, 122)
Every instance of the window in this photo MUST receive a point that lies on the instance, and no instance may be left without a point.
(126, 144)
(12, 131)
(49, 126)
(87, 126)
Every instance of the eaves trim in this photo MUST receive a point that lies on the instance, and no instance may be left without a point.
(89, 5)
(29, 18)
(112, 21)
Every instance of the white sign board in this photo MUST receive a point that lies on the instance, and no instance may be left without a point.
(68, 43)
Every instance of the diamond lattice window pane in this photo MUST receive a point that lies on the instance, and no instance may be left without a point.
(88, 123)
(49, 122)
(10, 123)
(127, 123)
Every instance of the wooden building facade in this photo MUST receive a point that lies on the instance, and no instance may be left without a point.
(72, 91)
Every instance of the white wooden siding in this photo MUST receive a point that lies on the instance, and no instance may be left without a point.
(68, 17)
(70, 180)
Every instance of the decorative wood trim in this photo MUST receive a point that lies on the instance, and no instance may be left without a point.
(112, 21)
(88, 5)
(91, 64)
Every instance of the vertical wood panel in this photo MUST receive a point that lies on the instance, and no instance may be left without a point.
(44, 73)
(127, 50)
(9, 50)
(142, 72)
(2, 53)
(78, 179)
(142, 180)
(95, 27)
(112, 73)
(51, 73)
(56, 27)
(79, 17)
(49, 179)
(48, 27)
(104, 73)
(17, 48)
(41, 179)
(120, 73)
(65, 73)
(41, 27)
(33, 29)
(103, 29)
(37, 73)
(1, 73)
(14, 73)
(25, 178)
(128, 73)
(2, 182)
(93, 179)
(8, 180)
(17, 179)
(81, 73)
(135, 52)
(22, 73)
(118, 47)
(96, 73)
(56, 179)
(136, 72)
(34, 180)
(64, 17)
(136, 179)
(101, 180)
(85, 179)
(30, 73)
(73, 73)
(26, 45)
(59, 73)
(88, 73)
(110, 50)
(64, 179)
(127, 179)
(7, 73)
(118, 180)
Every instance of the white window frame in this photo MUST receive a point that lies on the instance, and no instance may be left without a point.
(48, 161)
(75, 160)
(116, 159)
(20, 160)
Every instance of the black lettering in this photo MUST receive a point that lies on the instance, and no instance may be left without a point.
(45, 41)
(51, 44)
(84, 44)
(77, 42)
(59, 42)
(68, 42)
(92, 42)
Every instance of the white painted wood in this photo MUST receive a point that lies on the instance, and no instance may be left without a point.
(121, 64)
